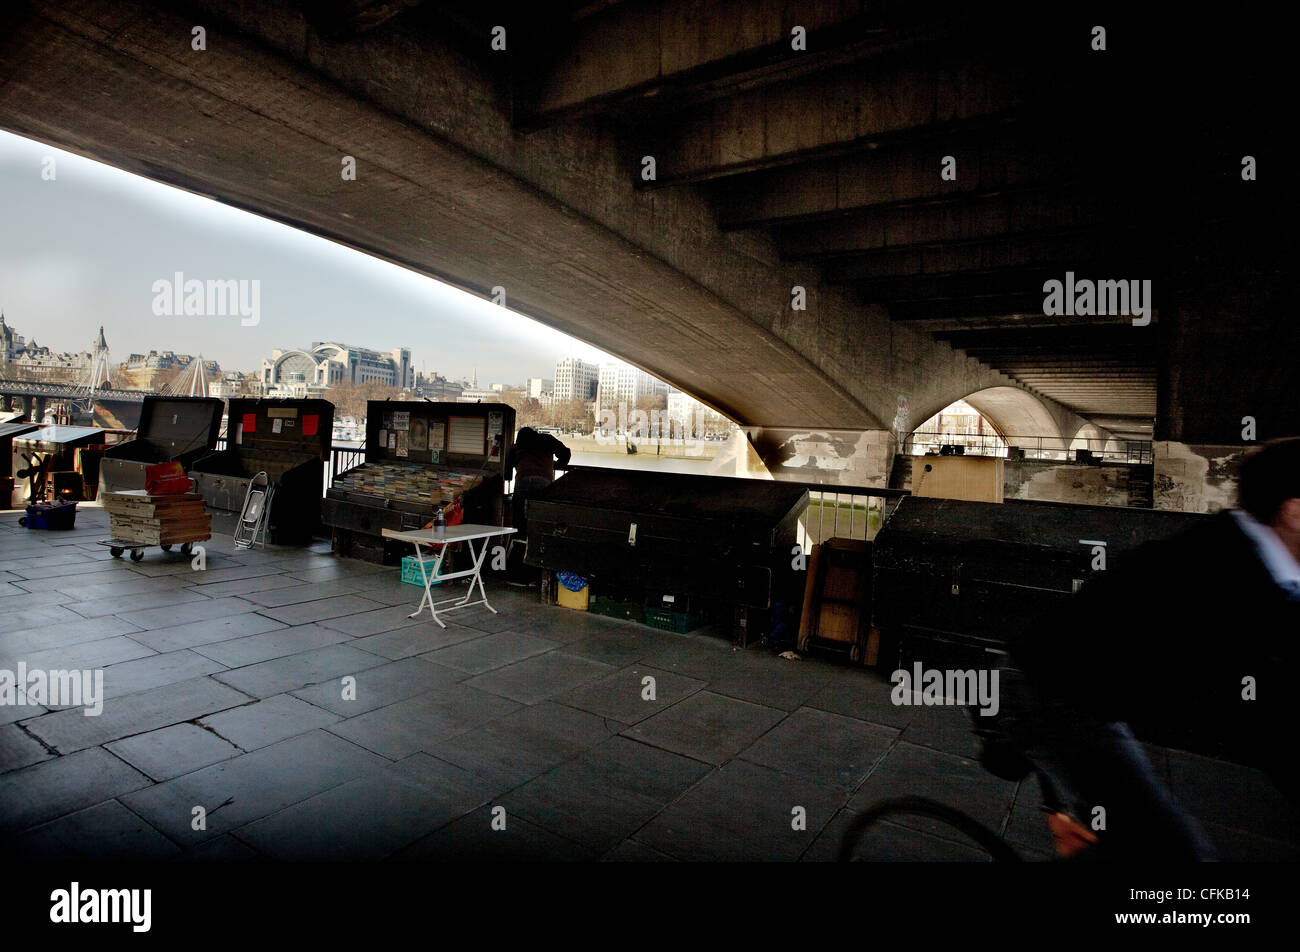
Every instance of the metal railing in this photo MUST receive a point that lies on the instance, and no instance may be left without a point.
(851, 512)
(1032, 447)
(341, 459)
(845, 512)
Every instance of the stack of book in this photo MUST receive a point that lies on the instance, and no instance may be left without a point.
(135, 516)
(408, 482)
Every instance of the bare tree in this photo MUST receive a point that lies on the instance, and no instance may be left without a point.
(350, 399)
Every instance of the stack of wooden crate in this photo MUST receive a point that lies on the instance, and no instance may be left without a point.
(134, 516)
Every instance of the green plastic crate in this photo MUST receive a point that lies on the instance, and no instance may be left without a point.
(411, 570)
(613, 608)
(680, 622)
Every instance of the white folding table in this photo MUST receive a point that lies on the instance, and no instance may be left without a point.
(466, 533)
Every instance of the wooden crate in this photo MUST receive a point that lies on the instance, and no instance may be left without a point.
(837, 600)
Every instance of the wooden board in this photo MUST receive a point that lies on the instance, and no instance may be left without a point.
(121, 499)
(806, 619)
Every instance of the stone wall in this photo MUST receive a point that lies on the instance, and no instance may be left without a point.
(1196, 478)
(1110, 484)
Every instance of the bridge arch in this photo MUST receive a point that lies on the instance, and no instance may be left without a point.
(1017, 416)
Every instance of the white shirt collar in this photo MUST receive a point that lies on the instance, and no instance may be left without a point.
(1277, 558)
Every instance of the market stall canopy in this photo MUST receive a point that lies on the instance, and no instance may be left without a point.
(67, 437)
(10, 430)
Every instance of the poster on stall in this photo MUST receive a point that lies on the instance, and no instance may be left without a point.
(383, 438)
(496, 421)
(401, 443)
(437, 437)
(419, 438)
(392, 439)
(401, 420)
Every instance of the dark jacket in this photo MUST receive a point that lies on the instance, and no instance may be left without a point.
(536, 455)
(1164, 639)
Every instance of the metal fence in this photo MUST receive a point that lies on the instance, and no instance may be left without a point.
(845, 512)
(1031, 447)
(341, 459)
(850, 512)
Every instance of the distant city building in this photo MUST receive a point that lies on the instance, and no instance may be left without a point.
(11, 344)
(958, 424)
(472, 395)
(154, 370)
(618, 383)
(235, 384)
(438, 388)
(575, 379)
(327, 364)
(538, 386)
(31, 361)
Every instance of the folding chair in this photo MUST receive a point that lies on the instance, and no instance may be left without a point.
(255, 516)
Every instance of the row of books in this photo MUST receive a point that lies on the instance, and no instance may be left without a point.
(406, 481)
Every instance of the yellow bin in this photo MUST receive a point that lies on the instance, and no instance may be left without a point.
(575, 600)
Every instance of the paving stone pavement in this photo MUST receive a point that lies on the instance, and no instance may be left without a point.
(286, 693)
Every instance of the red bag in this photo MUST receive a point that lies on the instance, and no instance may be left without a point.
(166, 479)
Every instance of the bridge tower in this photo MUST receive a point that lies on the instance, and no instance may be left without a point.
(96, 376)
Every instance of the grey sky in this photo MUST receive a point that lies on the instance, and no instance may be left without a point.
(85, 249)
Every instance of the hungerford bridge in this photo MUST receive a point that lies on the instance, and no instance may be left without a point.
(94, 396)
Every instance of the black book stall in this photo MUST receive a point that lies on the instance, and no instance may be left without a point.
(171, 429)
(954, 581)
(419, 456)
(672, 550)
(289, 440)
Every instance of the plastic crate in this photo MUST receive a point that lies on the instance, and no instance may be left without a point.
(680, 622)
(669, 601)
(411, 570)
(613, 608)
(51, 515)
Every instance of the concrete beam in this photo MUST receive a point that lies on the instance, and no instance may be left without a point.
(1018, 251)
(853, 107)
(1036, 213)
(235, 124)
(990, 159)
(663, 55)
(262, 118)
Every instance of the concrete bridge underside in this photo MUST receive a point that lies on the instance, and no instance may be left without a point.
(775, 168)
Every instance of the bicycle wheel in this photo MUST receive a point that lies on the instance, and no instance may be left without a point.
(965, 824)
